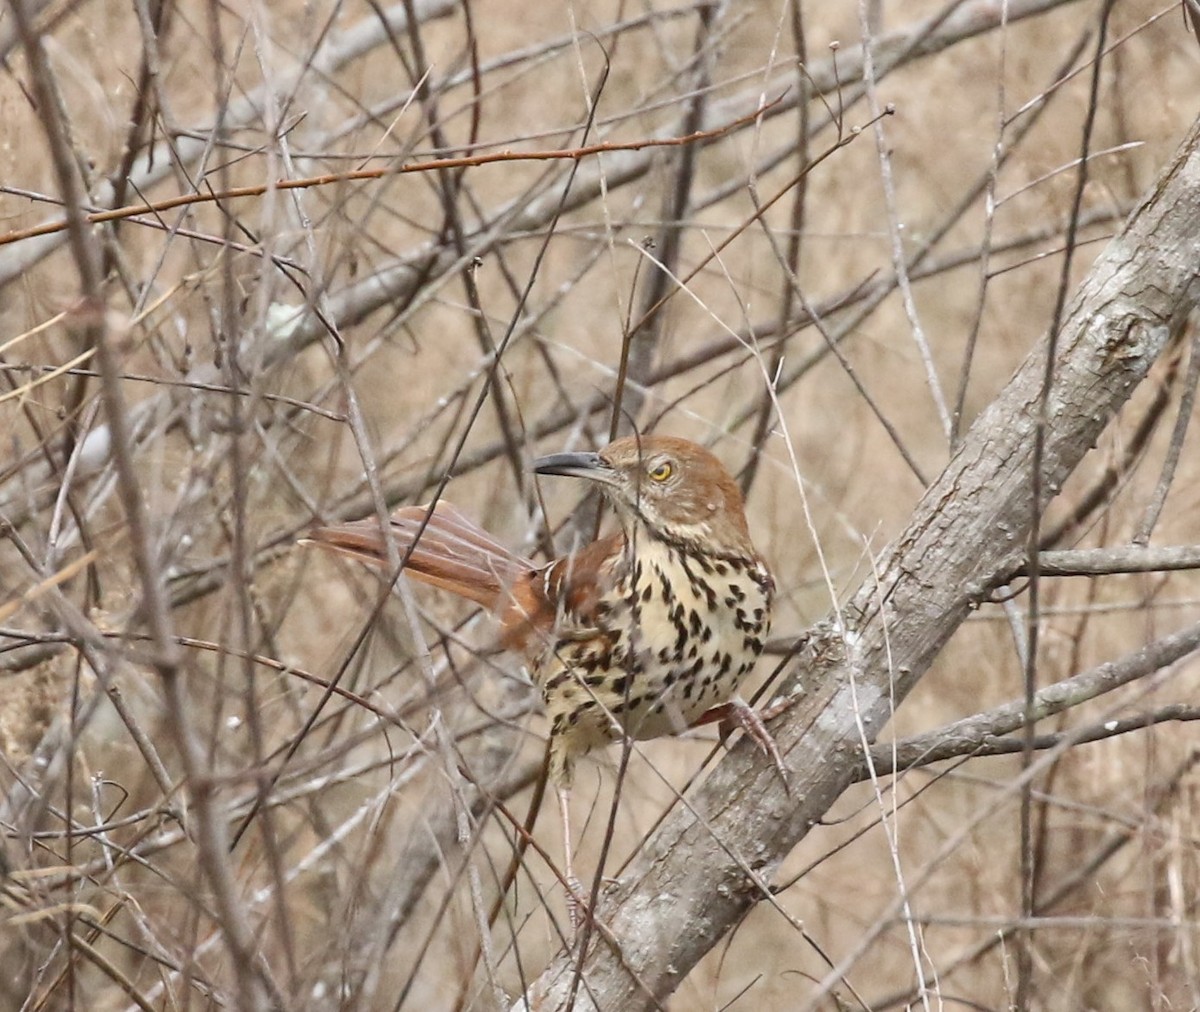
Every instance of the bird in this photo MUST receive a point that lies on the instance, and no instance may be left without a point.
(643, 633)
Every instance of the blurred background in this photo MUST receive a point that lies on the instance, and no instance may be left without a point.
(825, 265)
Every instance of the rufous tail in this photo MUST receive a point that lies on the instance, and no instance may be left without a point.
(452, 551)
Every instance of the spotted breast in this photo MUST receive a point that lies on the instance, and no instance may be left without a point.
(672, 635)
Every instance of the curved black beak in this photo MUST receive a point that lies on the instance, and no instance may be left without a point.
(587, 465)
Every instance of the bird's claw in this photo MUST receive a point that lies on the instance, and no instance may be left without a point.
(739, 714)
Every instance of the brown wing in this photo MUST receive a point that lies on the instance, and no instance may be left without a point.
(451, 552)
(565, 595)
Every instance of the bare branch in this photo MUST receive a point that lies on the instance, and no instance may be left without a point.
(981, 733)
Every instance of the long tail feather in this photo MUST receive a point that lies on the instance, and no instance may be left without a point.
(452, 551)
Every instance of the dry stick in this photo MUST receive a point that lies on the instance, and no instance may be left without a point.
(1122, 559)
(757, 217)
(153, 951)
(404, 168)
(98, 925)
(61, 474)
(253, 985)
(413, 887)
(454, 231)
(88, 642)
(60, 745)
(1000, 155)
(425, 861)
(875, 295)
(1076, 635)
(158, 224)
(358, 428)
(989, 223)
(930, 577)
(493, 776)
(112, 261)
(935, 778)
(1180, 713)
(109, 969)
(642, 340)
(525, 841)
(239, 364)
(430, 853)
(867, 291)
(892, 214)
(138, 852)
(955, 23)
(832, 346)
(162, 381)
(530, 59)
(449, 185)
(791, 261)
(872, 292)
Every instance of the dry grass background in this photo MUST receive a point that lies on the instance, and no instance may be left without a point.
(351, 880)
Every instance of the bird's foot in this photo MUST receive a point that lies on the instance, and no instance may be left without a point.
(586, 924)
(777, 706)
(737, 713)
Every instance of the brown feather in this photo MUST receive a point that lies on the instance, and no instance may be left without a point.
(452, 552)
(576, 583)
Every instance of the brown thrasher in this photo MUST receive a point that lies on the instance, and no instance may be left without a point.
(644, 633)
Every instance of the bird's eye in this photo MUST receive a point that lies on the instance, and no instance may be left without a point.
(661, 472)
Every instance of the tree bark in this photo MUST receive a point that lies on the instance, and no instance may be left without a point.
(710, 860)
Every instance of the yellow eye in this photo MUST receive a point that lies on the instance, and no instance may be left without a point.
(661, 472)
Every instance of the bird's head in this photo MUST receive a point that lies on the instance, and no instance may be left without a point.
(673, 487)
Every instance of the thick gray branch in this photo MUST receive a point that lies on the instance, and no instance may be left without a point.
(697, 875)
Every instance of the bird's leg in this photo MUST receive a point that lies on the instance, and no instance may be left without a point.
(738, 713)
(576, 904)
